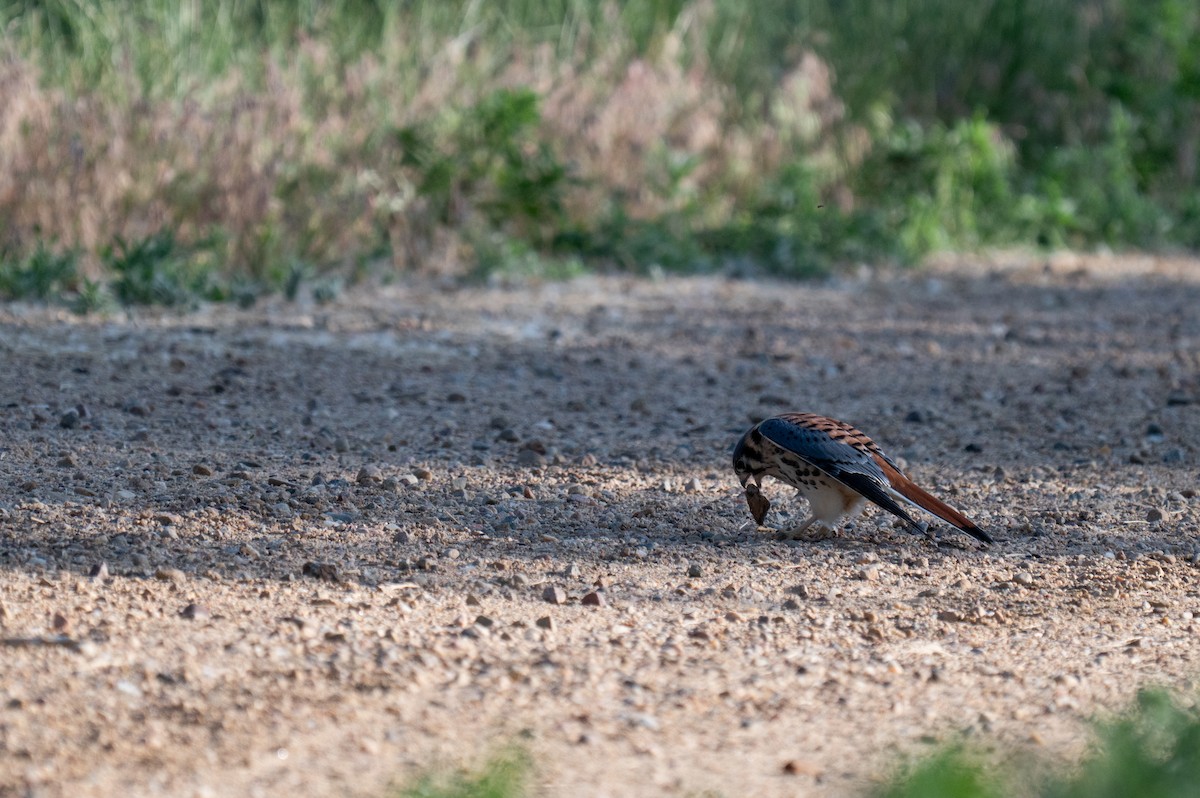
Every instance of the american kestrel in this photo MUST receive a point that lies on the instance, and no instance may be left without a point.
(836, 468)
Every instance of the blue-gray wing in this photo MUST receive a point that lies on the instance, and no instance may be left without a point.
(839, 450)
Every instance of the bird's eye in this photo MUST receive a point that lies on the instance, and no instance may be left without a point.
(740, 465)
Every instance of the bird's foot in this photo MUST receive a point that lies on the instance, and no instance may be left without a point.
(813, 533)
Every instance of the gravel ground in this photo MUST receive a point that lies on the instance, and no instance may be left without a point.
(312, 550)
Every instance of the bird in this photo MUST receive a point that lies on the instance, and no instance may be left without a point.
(837, 468)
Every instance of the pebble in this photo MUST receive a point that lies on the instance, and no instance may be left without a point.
(530, 458)
(165, 574)
(796, 767)
(869, 574)
(554, 594)
(692, 486)
(202, 470)
(593, 599)
(67, 461)
(194, 612)
(69, 419)
(695, 571)
(137, 408)
(1023, 578)
(324, 571)
(369, 475)
(545, 622)
(423, 474)
(1157, 515)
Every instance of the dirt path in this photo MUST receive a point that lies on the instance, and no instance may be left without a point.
(331, 540)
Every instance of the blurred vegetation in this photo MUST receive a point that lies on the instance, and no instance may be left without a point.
(1151, 751)
(245, 145)
(505, 775)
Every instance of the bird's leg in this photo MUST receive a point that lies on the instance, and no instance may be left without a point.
(800, 532)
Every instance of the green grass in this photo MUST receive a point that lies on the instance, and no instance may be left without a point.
(358, 136)
(1151, 751)
(506, 775)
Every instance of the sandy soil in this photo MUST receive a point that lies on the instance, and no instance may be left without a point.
(312, 550)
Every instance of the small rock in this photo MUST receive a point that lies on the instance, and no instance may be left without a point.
(59, 623)
(692, 486)
(69, 419)
(67, 461)
(369, 475)
(200, 469)
(340, 444)
(321, 570)
(484, 621)
(1157, 515)
(796, 767)
(126, 494)
(530, 458)
(99, 571)
(573, 571)
(165, 574)
(423, 474)
(545, 622)
(137, 408)
(1023, 578)
(456, 397)
(869, 574)
(695, 571)
(593, 599)
(949, 616)
(554, 594)
(194, 612)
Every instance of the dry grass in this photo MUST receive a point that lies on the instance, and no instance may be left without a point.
(305, 164)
